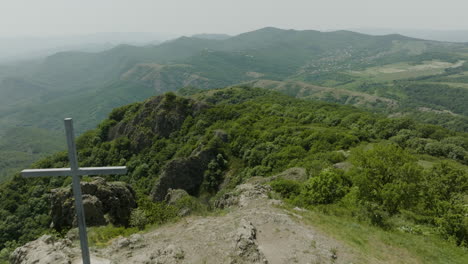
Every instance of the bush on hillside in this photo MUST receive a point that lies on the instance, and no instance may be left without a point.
(386, 176)
(327, 187)
(287, 188)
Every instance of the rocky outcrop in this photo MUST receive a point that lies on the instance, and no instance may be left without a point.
(50, 250)
(44, 250)
(259, 232)
(242, 195)
(183, 173)
(103, 202)
(246, 247)
(187, 173)
(158, 116)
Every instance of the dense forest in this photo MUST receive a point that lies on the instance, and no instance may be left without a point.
(374, 168)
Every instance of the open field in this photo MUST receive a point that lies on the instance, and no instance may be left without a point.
(451, 84)
(405, 70)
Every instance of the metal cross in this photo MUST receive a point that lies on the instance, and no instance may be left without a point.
(76, 172)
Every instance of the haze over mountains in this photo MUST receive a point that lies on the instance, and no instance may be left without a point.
(361, 137)
(438, 35)
(377, 72)
(27, 48)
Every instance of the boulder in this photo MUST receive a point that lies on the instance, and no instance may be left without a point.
(183, 173)
(93, 210)
(44, 250)
(246, 248)
(103, 202)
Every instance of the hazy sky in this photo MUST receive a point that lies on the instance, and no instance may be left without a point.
(70, 17)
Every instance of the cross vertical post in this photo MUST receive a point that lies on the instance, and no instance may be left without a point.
(77, 190)
(75, 171)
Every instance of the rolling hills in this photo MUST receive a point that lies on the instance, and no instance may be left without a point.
(391, 180)
(351, 68)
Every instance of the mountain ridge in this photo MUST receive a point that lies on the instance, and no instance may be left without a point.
(240, 134)
(68, 82)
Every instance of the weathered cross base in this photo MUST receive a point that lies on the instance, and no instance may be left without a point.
(76, 172)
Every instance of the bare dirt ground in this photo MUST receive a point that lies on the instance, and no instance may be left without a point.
(254, 229)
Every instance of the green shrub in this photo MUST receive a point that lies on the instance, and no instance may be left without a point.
(453, 223)
(386, 176)
(329, 186)
(213, 176)
(287, 188)
(157, 212)
(100, 236)
(104, 128)
(139, 219)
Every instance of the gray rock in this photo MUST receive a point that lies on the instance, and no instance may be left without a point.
(93, 209)
(246, 247)
(104, 203)
(183, 173)
(242, 195)
(161, 115)
(44, 250)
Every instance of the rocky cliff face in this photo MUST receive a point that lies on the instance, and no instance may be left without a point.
(159, 116)
(184, 173)
(104, 203)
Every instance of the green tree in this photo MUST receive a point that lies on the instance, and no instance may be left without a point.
(387, 177)
(327, 187)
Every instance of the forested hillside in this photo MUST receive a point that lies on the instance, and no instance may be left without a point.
(393, 75)
(398, 174)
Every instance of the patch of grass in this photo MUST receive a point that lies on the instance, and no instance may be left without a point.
(102, 235)
(372, 244)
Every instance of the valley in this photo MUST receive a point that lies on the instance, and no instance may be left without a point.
(352, 68)
(374, 128)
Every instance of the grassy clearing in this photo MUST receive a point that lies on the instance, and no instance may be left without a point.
(375, 245)
(400, 71)
(451, 84)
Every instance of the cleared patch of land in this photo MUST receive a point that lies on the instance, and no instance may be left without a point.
(309, 91)
(404, 70)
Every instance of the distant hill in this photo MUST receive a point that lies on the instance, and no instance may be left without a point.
(242, 158)
(212, 36)
(437, 35)
(27, 48)
(351, 67)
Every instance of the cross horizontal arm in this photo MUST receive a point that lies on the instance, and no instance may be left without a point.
(102, 170)
(69, 172)
(46, 172)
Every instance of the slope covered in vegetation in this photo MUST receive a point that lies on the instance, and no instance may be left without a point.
(351, 66)
(374, 168)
